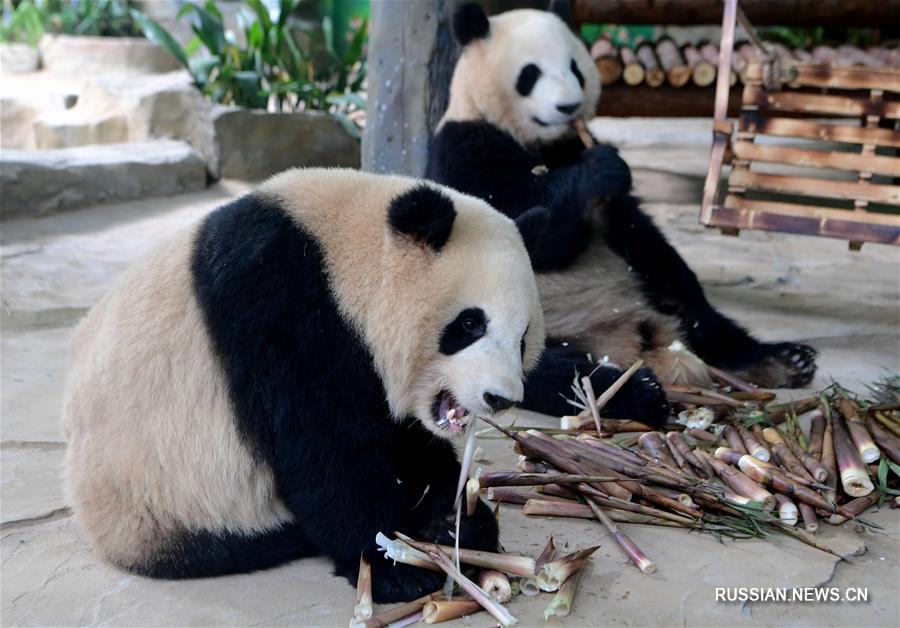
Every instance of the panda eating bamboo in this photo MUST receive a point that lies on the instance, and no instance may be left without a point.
(287, 378)
(610, 284)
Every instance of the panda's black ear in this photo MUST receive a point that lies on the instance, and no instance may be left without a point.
(470, 22)
(563, 11)
(424, 215)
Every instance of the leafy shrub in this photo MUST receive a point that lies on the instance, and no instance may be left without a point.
(282, 65)
(27, 20)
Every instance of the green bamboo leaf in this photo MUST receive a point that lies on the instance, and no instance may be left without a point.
(262, 13)
(207, 27)
(211, 7)
(355, 49)
(285, 9)
(202, 67)
(160, 36)
(328, 34)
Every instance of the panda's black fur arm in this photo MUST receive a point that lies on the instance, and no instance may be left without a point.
(310, 405)
(480, 159)
(549, 386)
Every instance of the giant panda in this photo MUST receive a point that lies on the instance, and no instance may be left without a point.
(288, 378)
(611, 285)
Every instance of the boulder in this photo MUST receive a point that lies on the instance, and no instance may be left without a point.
(65, 129)
(256, 144)
(116, 109)
(43, 181)
(68, 54)
(18, 59)
(21, 103)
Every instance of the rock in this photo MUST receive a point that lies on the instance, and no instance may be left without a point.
(39, 182)
(68, 54)
(18, 59)
(116, 109)
(78, 127)
(17, 123)
(21, 105)
(256, 144)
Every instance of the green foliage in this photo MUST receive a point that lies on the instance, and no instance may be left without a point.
(27, 20)
(282, 64)
(22, 24)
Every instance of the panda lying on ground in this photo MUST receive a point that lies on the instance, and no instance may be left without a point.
(285, 379)
(609, 281)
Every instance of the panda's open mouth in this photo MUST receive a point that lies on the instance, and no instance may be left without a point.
(449, 414)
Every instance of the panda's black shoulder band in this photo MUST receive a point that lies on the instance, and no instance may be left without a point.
(470, 22)
(424, 214)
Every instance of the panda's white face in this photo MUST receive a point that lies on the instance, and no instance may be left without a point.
(489, 332)
(537, 61)
(530, 75)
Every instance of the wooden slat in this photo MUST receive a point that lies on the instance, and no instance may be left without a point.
(839, 13)
(752, 122)
(833, 225)
(825, 188)
(807, 75)
(755, 95)
(812, 211)
(851, 162)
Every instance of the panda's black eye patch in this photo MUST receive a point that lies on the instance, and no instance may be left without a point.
(468, 326)
(578, 75)
(528, 76)
(522, 344)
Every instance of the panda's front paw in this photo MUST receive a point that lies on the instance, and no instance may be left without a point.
(642, 398)
(478, 532)
(604, 172)
(401, 583)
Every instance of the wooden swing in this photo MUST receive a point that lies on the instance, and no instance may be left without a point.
(846, 189)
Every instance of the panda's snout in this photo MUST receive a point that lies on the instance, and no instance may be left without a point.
(498, 403)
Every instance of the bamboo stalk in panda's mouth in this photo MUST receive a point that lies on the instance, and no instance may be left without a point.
(583, 134)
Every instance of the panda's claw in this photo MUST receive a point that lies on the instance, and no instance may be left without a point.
(782, 365)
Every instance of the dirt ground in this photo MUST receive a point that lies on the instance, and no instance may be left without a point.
(783, 287)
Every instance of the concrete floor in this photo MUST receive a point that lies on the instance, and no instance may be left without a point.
(783, 287)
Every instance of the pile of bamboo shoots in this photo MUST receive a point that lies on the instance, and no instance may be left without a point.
(736, 464)
(752, 470)
(665, 63)
(499, 578)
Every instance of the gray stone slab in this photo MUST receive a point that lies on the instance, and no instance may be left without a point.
(31, 384)
(31, 485)
(40, 182)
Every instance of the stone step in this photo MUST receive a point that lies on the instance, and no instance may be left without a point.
(38, 182)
